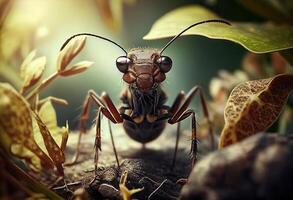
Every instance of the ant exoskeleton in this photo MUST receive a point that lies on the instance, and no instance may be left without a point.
(144, 113)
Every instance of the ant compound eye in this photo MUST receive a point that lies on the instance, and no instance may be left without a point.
(165, 63)
(122, 63)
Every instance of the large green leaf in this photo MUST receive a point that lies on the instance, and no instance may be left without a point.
(258, 38)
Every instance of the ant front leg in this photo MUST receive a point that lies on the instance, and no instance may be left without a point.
(107, 108)
(180, 111)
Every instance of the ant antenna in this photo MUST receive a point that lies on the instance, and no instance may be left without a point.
(93, 35)
(191, 26)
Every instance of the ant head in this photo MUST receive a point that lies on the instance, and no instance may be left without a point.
(144, 68)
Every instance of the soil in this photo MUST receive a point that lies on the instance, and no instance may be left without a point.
(147, 166)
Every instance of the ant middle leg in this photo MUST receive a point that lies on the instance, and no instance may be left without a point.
(181, 112)
(107, 108)
(174, 108)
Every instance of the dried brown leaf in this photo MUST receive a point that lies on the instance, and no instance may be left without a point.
(253, 106)
(54, 151)
(69, 52)
(48, 135)
(77, 68)
(16, 125)
(32, 70)
(48, 116)
(58, 136)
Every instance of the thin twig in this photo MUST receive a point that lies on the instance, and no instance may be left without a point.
(157, 189)
(68, 184)
(146, 177)
(56, 181)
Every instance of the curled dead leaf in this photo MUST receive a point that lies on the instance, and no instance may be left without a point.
(32, 70)
(69, 52)
(77, 68)
(253, 106)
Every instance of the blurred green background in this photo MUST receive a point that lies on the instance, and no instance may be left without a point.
(196, 59)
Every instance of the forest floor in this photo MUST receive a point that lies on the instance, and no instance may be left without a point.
(147, 167)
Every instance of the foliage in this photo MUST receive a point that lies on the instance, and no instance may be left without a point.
(31, 70)
(258, 38)
(28, 124)
(16, 125)
(253, 106)
(254, 66)
(266, 37)
(31, 138)
(18, 34)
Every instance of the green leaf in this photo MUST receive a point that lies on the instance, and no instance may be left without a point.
(16, 128)
(257, 38)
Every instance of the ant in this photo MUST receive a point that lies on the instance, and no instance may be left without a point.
(144, 114)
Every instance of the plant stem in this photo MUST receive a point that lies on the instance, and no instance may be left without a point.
(12, 180)
(44, 83)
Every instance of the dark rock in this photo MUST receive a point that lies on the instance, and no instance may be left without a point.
(108, 191)
(260, 167)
